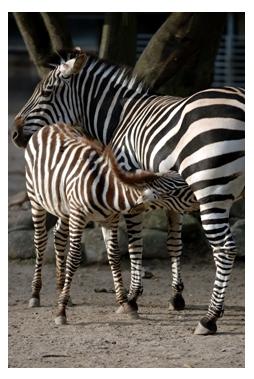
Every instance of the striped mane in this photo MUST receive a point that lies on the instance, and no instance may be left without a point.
(128, 79)
(140, 178)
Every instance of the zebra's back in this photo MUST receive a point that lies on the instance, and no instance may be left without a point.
(201, 137)
(57, 162)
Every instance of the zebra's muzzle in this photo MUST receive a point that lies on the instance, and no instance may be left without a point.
(140, 206)
(17, 132)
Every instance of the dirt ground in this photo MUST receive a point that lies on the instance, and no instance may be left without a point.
(96, 336)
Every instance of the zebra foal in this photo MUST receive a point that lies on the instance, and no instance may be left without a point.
(77, 181)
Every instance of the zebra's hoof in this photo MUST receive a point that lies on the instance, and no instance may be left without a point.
(34, 302)
(60, 320)
(206, 327)
(130, 309)
(176, 303)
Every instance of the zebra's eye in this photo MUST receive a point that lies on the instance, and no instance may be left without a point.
(46, 93)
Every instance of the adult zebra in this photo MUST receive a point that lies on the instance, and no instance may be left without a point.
(77, 180)
(201, 137)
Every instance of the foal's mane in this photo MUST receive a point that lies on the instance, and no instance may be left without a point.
(133, 179)
(139, 178)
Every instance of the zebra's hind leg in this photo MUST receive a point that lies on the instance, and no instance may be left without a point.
(135, 248)
(174, 245)
(40, 242)
(215, 222)
(77, 224)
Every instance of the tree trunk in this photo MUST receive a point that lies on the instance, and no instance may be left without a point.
(36, 38)
(43, 34)
(58, 31)
(179, 58)
(118, 42)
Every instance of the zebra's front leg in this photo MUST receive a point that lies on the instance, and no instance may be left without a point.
(174, 245)
(110, 235)
(77, 224)
(40, 242)
(218, 232)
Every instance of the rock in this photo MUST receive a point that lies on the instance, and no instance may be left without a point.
(20, 218)
(238, 231)
(156, 219)
(146, 273)
(20, 244)
(19, 198)
(238, 209)
(94, 246)
(155, 244)
(192, 229)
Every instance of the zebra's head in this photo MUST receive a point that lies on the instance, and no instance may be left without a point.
(50, 101)
(168, 190)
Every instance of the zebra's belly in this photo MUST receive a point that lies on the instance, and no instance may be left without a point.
(54, 205)
(103, 218)
(176, 205)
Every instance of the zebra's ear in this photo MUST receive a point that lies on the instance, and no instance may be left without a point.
(74, 65)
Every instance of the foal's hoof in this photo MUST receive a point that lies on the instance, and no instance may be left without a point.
(176, 303)
(130, 309)
(34, 302)
(60, 320)
(206, 327)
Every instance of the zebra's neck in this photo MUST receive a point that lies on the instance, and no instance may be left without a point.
(106, 91)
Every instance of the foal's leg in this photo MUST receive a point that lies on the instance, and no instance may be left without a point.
(77, 224)
(111, 240)
(40, 242)
(61, 233)
(174, 245)
(127, 304)
(217, 229)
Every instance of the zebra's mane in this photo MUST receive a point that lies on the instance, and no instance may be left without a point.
(139, 178)
(128, 79)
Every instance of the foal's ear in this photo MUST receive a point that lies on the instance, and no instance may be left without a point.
(74, 65)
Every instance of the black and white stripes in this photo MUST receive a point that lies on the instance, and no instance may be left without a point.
(76, 180)
(201, 137)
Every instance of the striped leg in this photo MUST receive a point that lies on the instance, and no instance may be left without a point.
(216, 225)
(61, 233)
(174, 245)
(40, 242)
(110, 236)
(77, 224)
(135, 247)
(134, 225)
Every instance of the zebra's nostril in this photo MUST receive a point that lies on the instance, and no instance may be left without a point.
(15, 135)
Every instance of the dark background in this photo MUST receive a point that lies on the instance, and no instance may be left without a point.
(86, 29)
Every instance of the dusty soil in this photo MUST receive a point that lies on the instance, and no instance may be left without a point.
(97, 337)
